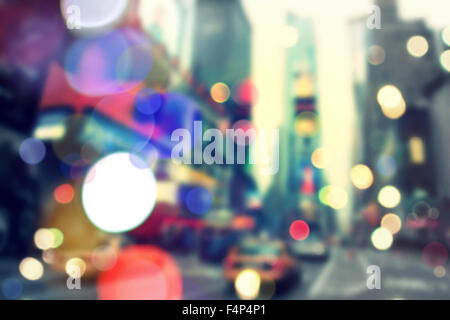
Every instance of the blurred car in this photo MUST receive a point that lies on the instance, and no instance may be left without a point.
(270, 258)
(418, 232)
(314, 247)
(215, 242)
(180, 234)
(152, 228)
(216, 239)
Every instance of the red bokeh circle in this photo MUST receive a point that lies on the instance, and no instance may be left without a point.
(435, 254)
(64, 193)
(299, 230)
(142, 272)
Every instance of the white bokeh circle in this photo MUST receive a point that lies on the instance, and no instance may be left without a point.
(118, 196)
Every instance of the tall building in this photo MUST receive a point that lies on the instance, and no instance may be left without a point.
(439, 96)
(397, 147)
(221, 53)
(299, 180)
(221, 50)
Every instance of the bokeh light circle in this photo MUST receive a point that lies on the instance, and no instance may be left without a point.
(141, 273)
(307, 124)
(64, 193)
(386, 166)
(324, 193)
(337, 197)
(75, 267)
(435, 254)
(439, 271)
(31, 269)
(391, 101)
(148, 101)
(389, 197)
(110, 63)
(44, 239)
(247, 284)
(220, 92)
(361, 176)
(32, 151)
(391, 222)
(319, 158)
(199, 200)
(446, 35)
(12, 288)
(246, 93)
(299, 230)
(91, 63)
(389, 96)
(417, 46)
(376, 55)
(58, 237)
(433, 213)
(444, 59)
(381, 238)
(121, 196)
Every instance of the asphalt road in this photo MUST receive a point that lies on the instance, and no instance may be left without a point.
(342, 276)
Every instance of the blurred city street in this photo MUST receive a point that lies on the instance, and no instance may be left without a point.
(343, 276)
(224, 149)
